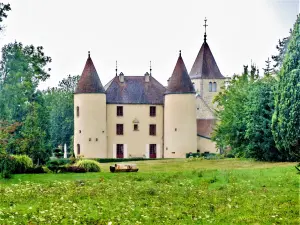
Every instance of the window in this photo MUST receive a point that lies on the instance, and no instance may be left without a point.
(119, 110)
(77, 111)
(152, 153)
(78, 149)
(120, 151)
(214, 87)
(210, 87)
(119, 129)
(96, 139)
(90, 139)
(152, 111)
(135, 127)
(152, 129)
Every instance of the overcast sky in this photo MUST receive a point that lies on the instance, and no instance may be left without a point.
(137, 31)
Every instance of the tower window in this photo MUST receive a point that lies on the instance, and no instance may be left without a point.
(135, 127)
(214, 87)
(152, 111)
(78, 149)
(210, 87)
(119, 110)
(119, 129)
(152, 129)
(77, 111)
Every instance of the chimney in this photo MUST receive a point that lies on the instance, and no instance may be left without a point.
(147, 77)
(121, 77)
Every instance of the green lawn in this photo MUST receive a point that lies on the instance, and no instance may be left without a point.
(228, 191)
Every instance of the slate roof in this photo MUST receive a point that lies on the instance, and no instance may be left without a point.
(134, 90)
(205, 127)
(180, 81)
(205, 65)
(89, 81)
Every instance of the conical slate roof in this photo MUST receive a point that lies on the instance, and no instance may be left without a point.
(89, 81)
(205, 65)
(180, 81)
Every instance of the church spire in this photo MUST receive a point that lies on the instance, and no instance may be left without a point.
(205, 25)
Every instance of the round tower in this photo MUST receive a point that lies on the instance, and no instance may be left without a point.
(90, 115)
(180, 129)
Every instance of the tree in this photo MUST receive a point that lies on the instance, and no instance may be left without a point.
(22, 68)
(4, 8)
(286, 118)
(60, 105)
(259, 111)
(231, 112)
(268, 70)
(281, 48)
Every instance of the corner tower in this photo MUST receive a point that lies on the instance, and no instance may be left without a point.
(90, 114)
(180, 131)
(207, 80)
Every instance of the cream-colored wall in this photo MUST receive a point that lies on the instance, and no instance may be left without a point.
(207, 96)
(92, 123)
(136, 143)
(206, 145)
(180, 114)
(203, 111)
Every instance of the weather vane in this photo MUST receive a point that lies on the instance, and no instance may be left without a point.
(205, 25)
(150, 69)
(116, 68)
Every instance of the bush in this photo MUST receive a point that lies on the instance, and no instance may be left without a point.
(230, 155)
(75, 169)
(57, 165)
(89, 165)
(22, 163)
(7, 165)
(192, 155)
(37, 169)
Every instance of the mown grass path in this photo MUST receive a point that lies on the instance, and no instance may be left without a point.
(182, 191)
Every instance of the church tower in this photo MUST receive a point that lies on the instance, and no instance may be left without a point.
(90, 115)
(180, 132)
(207, 80)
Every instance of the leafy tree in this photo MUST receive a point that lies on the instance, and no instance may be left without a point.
(259, 111)
(281, 48)
(4, 8)
(231, 112)
(286, 118)
(61, 105)
(22, 68)
(268, 70)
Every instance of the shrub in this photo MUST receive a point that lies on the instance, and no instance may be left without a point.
(57, 165)
(230, 155)
(58, 153)
(89, 165)
(75, 169)
(22, 163)
(7, 165)
(192, 155)
(37, 169)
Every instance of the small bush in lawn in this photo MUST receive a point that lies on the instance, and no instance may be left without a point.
(89, 165)
(57, 165)
(7, 165)
(75, 169)
(37, 169)
(22, 163)
(230, 155)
